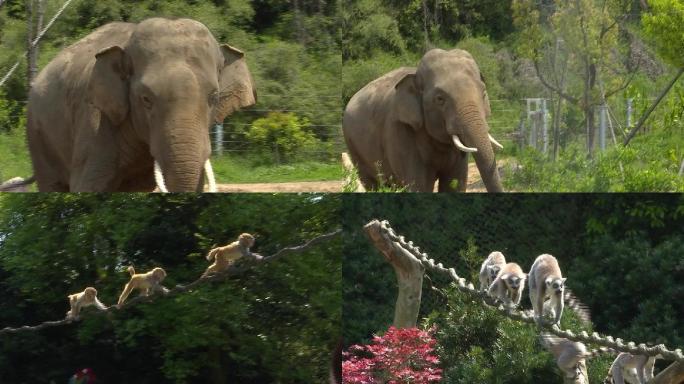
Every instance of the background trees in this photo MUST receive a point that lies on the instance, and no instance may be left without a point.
(274, 323)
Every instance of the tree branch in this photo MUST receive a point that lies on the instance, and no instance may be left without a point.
(524, 316)
(551, 87)
(249, 261)
(641, 122)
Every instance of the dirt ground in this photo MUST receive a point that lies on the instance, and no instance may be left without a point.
(474, 185)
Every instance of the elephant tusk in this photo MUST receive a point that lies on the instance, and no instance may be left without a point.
(496, 143)
(210, 176)
(460, 145)
(159, 178)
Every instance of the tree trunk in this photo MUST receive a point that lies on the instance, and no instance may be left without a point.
(673, 374)
(409, 273)
(35, 11)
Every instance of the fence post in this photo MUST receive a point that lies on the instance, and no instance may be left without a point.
(602, 127)
(545, 128)
(629, 112)
(218, 139)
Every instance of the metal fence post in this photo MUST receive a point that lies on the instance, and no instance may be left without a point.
(545, 127)
(602, 126)
(218, 139)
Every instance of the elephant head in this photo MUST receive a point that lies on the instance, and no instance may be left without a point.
(452, 107)
(170, 82)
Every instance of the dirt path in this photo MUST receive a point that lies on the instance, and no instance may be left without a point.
(299, 186)
(474, 185)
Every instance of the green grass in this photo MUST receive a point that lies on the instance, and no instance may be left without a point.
(232, 170)
(14, 157)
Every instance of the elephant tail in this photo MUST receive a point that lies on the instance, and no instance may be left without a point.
(17, 184)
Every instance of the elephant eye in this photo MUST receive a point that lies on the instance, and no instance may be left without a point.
(439, 99)
(147, 102)
(214, 97)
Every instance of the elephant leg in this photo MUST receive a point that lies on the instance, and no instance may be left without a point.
(407, 166)
(455, 178)
(45, 164)
(95, 166)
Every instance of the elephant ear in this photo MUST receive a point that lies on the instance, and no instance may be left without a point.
(236, 86)
(108, 87)
(407, 103)
(488, 108)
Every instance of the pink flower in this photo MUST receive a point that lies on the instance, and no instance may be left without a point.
(400, 356)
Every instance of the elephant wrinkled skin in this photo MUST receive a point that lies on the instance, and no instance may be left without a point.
(129, 98)
(414, 126)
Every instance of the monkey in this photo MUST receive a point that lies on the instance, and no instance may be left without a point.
(508, 285)
(546, 281)
(148, 282)
(83, 299)
(632, 369)
(490, 268)
(571, 356)
(224, 256)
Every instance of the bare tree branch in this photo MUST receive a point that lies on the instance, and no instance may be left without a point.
(249, 261)
(551, 87)
(641, 122)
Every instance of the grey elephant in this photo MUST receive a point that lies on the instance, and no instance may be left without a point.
(414, 126)
(131, 104)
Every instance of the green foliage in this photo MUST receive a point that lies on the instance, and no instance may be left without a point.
(234, 169)
(650, 163)
(15, 160)
(276, 322)
(283, 135)
(665, 26)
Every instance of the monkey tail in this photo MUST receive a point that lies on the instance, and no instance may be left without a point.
(131, 270)
(212, 254)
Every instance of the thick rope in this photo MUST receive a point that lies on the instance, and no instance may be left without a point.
(244, 264)
(525, 316)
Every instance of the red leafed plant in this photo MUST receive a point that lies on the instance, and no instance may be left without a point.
(401, 356)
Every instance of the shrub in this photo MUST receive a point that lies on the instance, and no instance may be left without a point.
(283, 137)
(400, 356)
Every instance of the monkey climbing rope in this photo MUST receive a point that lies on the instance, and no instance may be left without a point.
(233, 271)
(524, 316)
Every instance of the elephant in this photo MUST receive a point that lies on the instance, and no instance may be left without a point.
(414, 126)
(130, 105)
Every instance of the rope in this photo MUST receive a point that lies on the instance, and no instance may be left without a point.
(35, 41)
(524, 316)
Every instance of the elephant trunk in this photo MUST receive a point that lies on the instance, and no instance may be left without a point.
(475, 138)
(182, 156)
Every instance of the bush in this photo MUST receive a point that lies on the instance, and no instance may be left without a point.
(400, 356)
(281, 137)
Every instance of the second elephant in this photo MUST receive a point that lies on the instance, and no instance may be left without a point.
(129, 99)
(414, 126)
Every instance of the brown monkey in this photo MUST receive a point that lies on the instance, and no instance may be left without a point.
(83, 299)
(148, 282)
(224, 256)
